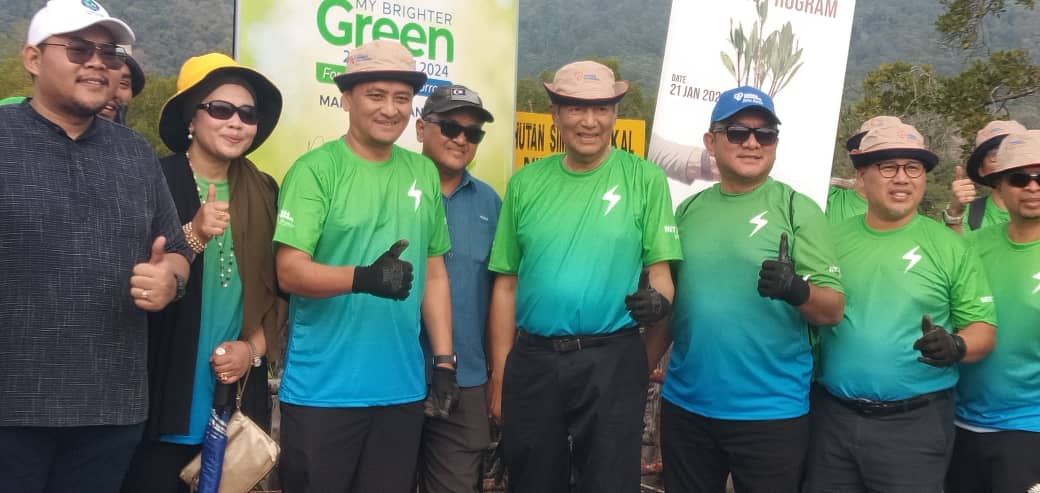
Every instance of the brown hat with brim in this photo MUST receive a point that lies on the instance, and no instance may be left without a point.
(200, 72)
(1017, 150)
(893, 142)
(986, 140)
(380, 60)
(585, 83)
(876, 122)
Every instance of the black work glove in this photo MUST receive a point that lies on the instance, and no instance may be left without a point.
(444, 393)
(938, 347)
(388, 276)
(779, 281)
(646, 305)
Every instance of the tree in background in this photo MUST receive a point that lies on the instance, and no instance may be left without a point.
(949, 110)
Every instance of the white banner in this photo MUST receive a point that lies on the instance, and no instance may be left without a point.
(793, 49)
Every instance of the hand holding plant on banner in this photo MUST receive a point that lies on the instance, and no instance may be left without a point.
(768, 62)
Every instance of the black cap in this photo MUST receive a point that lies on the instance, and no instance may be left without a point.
(136, 76)
(449, 98)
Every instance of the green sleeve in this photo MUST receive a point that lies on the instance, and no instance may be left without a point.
(660, 234)
(440, 241)
(505, 251)
(971, 299)
(812, 249)
(303, 205)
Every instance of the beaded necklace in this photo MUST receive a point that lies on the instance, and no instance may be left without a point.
(227, 262)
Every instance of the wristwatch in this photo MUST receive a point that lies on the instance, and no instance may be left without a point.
(951, 220)
(182, 285)
(959, 346)
(451, 359)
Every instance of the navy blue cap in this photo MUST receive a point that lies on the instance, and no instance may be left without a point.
(741, 98)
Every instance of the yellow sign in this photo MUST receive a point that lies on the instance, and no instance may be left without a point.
(536, 137)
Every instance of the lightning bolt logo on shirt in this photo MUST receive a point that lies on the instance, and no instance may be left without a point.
(1037, 277)
(758, 222)
(912, 257)
(611, 197)
(415, 194)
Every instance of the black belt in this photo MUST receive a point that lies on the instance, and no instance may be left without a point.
(872, 408)
(566, 344)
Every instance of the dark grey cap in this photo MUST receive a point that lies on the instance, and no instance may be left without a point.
(449, 98)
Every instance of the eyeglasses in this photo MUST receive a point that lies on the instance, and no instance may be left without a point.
(80, 51)
(222, 110)
(452, 129)
(889, 169)
(1021, 179)
(738, 134)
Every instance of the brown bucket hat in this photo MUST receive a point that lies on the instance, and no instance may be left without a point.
(876, 122)
(1017, 150)
(585, 83)
(986, 140)
(897, 141)
(380, 60)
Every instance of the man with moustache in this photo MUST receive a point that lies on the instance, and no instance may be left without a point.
(450, 130)
(360, 218)
(918, 306)
(998, 398)
(89, 243)
(575, 232)
(130, 84)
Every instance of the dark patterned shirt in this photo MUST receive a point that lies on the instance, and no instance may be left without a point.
(77, 215)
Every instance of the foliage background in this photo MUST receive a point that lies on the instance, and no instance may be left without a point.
(946, 66)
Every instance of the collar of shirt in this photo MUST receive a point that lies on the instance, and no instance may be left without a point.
(87, 134)
(465, 181)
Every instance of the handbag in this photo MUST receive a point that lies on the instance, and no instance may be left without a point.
(250, 454)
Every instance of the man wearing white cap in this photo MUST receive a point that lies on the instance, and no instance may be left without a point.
(89, 243)
(998, 398)
(758, 268)
(966, 205)
(359, 219)
(576, 230)
(918, 305)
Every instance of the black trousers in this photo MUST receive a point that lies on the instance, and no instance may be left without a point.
(996, 462)
(357, 449)
(452, 447)
(69, 459)
(906, 452)
(698, 452)
(581, 408)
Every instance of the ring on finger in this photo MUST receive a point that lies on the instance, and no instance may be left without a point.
(144, 294)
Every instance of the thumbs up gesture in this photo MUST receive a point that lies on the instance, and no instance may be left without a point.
(152, 285)
(646, 305)
(388, 276)
(212, 218)
(938, 347)
(963, 190)
(778, 280)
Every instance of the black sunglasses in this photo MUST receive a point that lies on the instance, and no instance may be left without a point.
(738, 134)
(80, 51)
(452, 129)
(1021, 179)
(222, 110)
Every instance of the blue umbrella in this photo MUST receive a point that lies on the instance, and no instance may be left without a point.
(214, 440)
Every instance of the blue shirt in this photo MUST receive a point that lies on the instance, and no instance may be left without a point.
(472, 214)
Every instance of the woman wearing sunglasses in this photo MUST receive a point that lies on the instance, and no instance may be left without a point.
(216, 333)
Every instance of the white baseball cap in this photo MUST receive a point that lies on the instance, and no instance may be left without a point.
(66, 16)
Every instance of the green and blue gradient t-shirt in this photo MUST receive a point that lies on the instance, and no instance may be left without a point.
(892, 279)
(355, 349)
(737, 355)
(1002, 391)
(578, 241)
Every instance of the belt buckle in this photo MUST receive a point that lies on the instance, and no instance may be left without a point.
(567, 345)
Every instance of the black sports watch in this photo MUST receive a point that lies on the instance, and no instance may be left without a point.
(450, 359)
(182, 285)
(960, 346)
